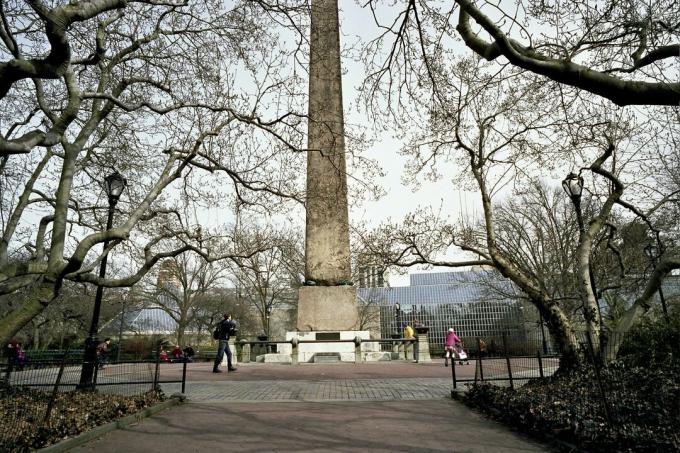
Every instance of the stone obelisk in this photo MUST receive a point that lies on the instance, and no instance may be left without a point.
(329, 303)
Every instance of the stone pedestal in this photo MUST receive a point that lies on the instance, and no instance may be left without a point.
(423, 346)
(232, 348)
(306, 351)
(245, 352)
(327, 308)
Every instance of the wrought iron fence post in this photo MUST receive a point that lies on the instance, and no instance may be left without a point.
(479, 361)
(357, 349)
(157, 370)
(184, 374)
(50, 403)
(96, 375)
(507, 360)
(453, 375)
(540, 363)
(416, 346)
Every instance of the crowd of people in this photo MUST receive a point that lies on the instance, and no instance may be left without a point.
(453, 348)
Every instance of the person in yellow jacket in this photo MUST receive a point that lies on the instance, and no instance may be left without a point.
(408, 332)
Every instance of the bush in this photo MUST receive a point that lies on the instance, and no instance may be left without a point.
(642, 390)
(22, 411)
(654, 341)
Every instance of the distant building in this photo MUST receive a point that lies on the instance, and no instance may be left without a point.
(372, 276)
(168, 275)
(477, 304)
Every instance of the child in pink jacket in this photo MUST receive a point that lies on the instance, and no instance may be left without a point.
(450, 345)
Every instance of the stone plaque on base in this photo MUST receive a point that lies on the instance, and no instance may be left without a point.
(327, 308)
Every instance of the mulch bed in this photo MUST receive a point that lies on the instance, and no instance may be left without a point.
(643, 402)
(22, 414)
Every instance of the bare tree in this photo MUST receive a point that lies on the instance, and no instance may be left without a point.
(184, 283)
(625, 51)
(500, 128)
(268, 280)
(160, 90)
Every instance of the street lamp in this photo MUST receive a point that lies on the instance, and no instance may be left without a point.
(544, 343)
(397, 316)
(573, 186)
(269, 313)
(653, 253)
(120, 327)
(114, 185)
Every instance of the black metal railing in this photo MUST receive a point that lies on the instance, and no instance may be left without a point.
(29, 390)
(505, 364)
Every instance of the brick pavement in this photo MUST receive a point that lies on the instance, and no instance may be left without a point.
(328, 408)
(325, 390)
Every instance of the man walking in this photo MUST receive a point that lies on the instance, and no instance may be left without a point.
(224, 330)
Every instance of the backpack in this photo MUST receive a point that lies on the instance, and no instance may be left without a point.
(217, 333)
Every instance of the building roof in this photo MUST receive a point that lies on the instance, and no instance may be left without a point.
(442, 278)
(443, 288)
(146, 320)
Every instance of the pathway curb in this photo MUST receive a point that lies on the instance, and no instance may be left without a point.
(123, 422)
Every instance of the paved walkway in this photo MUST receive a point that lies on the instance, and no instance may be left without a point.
(326, 390)
(327, 409)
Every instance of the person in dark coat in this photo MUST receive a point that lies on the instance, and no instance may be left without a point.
(189, 353)
(225, 329)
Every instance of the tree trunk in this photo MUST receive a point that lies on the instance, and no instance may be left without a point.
(31, 307)
(181, 327)
(559, 324)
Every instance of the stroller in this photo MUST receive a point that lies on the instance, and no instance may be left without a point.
(461, 354)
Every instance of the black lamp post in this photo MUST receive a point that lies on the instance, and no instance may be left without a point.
(269, 314)
(114, 184)
(573, 186)
(397, 317)
(120, 327)
(653, 253)
(545, 343)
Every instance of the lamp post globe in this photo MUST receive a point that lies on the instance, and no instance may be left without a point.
(573, 185)
(397, 316)
(114, 184)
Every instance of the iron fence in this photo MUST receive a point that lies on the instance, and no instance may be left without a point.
(604, 388)
(30, 390)
(506, 361)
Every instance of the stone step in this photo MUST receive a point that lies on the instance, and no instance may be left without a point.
(326, 357)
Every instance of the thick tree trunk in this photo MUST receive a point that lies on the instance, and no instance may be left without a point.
(32, 306)
(181, 328)
(559, 324)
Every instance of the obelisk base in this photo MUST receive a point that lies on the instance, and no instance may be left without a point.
(327, 308)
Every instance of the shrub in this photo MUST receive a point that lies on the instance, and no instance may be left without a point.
(22, 411)
(642, 390)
